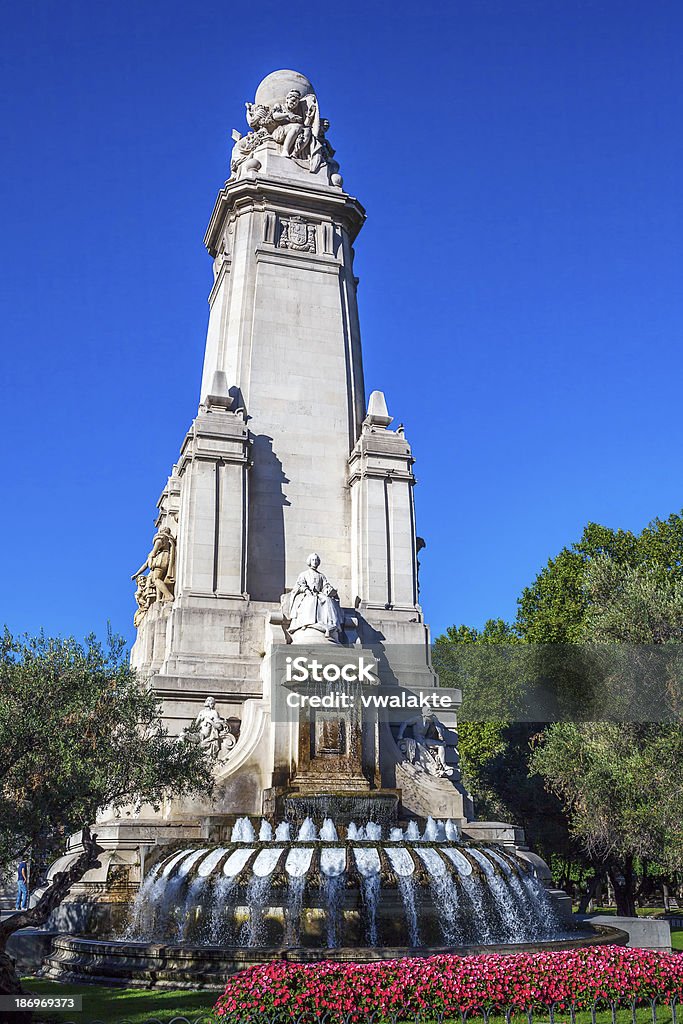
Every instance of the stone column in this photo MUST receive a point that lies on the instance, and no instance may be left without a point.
(384, 557)
(283, 329)
(213, 471)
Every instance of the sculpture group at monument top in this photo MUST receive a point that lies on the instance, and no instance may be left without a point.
(286, 112)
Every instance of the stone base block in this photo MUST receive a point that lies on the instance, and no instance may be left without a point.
(643, 932)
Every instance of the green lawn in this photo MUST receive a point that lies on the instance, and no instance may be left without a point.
(111, 1005)
(640, 911)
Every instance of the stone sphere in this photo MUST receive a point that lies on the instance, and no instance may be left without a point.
(277, 84)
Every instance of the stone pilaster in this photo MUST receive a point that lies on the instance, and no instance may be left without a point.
(384, 556)
(213, 470)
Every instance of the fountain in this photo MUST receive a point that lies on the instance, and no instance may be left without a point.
(368, 893)
(339, 824)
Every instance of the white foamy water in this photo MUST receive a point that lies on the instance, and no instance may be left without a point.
(431, 860)
(367, 862)
(236, 861)
(328, 832)
(283, 832)
(190, 862)
(308, 831)
(265, 834)
(461, 864)
(266, 861)
(210, 862)
(434, 831)
(168, 867)
(500, 861)
(483, 861)
(400, 860)
(452, 831)
(299, 861)
(243, 831)
(332, 861)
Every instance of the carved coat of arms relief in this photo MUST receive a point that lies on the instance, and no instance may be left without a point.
(297, 234)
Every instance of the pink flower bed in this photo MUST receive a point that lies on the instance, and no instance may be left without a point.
(449, 984)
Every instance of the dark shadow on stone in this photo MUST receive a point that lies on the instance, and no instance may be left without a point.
(237, 399)
(266, 538)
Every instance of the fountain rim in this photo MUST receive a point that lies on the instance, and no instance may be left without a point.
(137, 973)
(589, 935)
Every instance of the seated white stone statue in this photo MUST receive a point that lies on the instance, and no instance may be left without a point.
(312, 607)
(426, 748)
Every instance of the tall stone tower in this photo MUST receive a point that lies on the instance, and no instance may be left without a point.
(285, 458)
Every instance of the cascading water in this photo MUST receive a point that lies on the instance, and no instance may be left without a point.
(333, 871)
(253, 930)
(445, 895)
(530, 911)
(543, 913)
(404, 869)
(295, 898)
(368, 866)
(218, 928)
(192, 908)
(509, 910)
(372, 886)
(141, 920)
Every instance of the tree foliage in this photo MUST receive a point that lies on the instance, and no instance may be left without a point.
(555, 607)
(79, 733)
(491, 667)
(602, 625)
(617, 779)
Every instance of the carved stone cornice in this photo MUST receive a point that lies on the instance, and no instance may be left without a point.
(283, 197)
(216, 436)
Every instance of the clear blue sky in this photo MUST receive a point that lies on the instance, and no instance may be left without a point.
(521, 300)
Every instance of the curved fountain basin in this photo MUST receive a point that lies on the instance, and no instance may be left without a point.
(153, 965)
(303, 891)
(309, 893)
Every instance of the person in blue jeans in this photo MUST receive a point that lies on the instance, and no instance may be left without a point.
(22, 886)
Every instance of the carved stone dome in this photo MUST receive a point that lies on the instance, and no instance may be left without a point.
(277, 84)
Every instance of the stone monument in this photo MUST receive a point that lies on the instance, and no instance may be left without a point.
(285, 469)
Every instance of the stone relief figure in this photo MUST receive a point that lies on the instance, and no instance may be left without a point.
(312, 607)
(288, 119)
(161, 564)
(425, 749)
(211, 727)
(243, 149)
(143, 597)
(212, 732)
(295, 124)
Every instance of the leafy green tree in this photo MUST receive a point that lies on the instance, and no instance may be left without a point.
(617, 778)
(78, 733)
(492, 668)
(611, 589)
(555, 607)
(616, 781)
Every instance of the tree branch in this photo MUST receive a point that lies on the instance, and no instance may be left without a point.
(56, 891)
